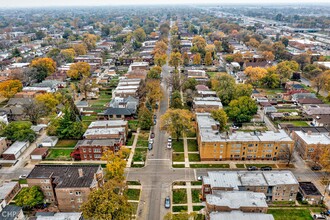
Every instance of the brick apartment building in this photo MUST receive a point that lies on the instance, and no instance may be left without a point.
(94, 149)
(213, 145)
(276, 185)
(309, 143)
(66, 186)
(227, 201)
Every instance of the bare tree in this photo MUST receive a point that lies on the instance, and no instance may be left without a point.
(286, 154)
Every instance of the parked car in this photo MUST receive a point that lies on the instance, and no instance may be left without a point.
(265, 168)
(316, 168)
(155, 121)
(151, 141)
(155, 116)
(152, 135)
(167, 202)
(22, 177)
(169, 145)
(150, 146)
(169, 139)
(252, 168)
(319, 216)
(200, 178)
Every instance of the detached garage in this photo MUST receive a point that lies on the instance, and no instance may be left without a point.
(39, 153)
(15, 150)
(49, 141)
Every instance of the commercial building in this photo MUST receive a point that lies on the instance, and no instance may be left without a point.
(214, 145)
(66, 186)
(276, 185)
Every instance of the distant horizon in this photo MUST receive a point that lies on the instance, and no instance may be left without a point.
(20, 4)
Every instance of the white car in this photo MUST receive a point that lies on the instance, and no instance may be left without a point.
(200, 178)
(169, 145)
(169, 139)
(22, 177)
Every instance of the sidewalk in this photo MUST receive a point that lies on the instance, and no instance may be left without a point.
(130, 158)
(186, 155)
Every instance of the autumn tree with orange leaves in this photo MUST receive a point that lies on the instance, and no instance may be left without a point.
(9, 88)
(45, 67)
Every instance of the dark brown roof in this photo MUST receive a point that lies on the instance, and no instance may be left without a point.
(39, 151)
(309, 188)
(310, 101)
(66, 176)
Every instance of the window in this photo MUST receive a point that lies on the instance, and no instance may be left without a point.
(250, 145)
(84, 150)
(310, 149)
(48, 193)
(97, 155)
(72, 199)
(97, 150)
(90, 150)
(78, 193)
(221, 146)
(70, 192)
(79, 200)
(85, 156)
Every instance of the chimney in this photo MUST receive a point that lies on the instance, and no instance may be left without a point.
(81, 172)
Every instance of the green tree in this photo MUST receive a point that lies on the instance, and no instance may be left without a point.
(69, 126)
(176, 101)
(145, 118)
(242, 109)
(154, 72)
(176, 121)
(220, 116)
(224, 84)
(271, 80)
(190, 83)
(139, 35)
(108, 202)
(19, 131)
(285, 69)
(243, 90)
(29, 197)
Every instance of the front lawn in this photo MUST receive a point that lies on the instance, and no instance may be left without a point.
(179, 208)
(59, 154)
(290, 214)
(140, 154)
(194, 157)
(197, 208)
(196, 183)
(134, 207)
(192, 145)
(66, 143)
(133, 125)
(178, 166)
(132, 194)
(178, 157)
(144, 135)
(179, 196)
(240, 165)
(195, 195)
(209, 165)
(177, 145)
(130, 140)
(135, 183)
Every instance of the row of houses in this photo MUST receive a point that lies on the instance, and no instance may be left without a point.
(245, 195)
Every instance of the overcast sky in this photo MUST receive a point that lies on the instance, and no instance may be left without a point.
(45, 3)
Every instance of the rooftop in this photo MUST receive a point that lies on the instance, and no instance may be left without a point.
(15, 147)
(104, 131)
(93, 143)
(314, 138)
(237, 199)
(234, 179)
(66, 176)
(58, 216)
(108, 123)
(6, 188)
(309, 189)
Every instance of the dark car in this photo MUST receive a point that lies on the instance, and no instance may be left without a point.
(252, 168)
(316, 168)
(155, 116)
(265, 168)
(152, 135)
(167, 202)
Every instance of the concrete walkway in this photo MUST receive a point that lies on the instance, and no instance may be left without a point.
(189, 197)
(131, 155)
(186, 155)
